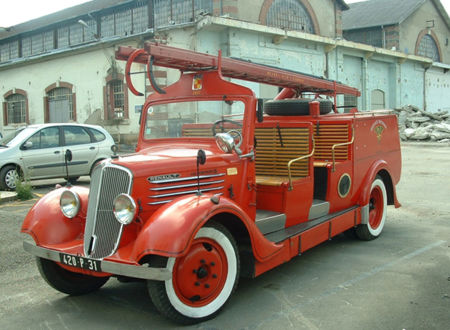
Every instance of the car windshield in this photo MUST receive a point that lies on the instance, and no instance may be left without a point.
(193, 119)
(17, 136)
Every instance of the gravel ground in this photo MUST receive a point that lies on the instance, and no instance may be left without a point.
(399, 281)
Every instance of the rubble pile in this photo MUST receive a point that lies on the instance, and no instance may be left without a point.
(419, 125)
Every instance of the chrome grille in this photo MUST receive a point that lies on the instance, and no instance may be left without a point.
(102, 231)
(164, 191)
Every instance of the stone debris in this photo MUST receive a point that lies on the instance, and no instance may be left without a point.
(418, 125)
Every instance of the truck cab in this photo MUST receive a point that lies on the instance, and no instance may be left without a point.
(222, 185)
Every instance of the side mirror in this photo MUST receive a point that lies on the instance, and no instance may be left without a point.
(27, 145)
(68, 155)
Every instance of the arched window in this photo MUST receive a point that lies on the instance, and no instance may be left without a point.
(60, 105)
(288, 14)
(116, 97)
(428, 48)
(377, 100)
(15, 107)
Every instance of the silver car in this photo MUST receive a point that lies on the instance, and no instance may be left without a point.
(38, 152)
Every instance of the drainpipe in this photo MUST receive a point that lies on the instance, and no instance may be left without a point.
(426, 67)
(383, 31)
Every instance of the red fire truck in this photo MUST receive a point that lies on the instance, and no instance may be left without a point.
(222, 185)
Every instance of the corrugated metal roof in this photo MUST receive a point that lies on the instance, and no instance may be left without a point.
(62, 15)
(378, 12)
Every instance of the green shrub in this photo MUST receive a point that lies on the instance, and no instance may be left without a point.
(24, 190)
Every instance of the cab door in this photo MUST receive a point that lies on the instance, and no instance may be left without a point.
(83, 147)
(42, 154)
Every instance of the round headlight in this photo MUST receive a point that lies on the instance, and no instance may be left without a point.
(225, 142)
(124, 209)
(69, 203)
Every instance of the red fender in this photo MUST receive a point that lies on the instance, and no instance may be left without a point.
(171, 229)
(47, 224)
(130, 61)
(376, 167)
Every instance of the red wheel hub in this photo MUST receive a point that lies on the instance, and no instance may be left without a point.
(199, 277)
(375, 207)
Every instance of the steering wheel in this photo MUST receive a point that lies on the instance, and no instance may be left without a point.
(221, 121)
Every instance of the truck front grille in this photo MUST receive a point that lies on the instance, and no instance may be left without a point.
(102, 231)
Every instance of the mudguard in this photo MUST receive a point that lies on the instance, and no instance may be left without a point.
(47, 224)
(171, 229)
(376, 167)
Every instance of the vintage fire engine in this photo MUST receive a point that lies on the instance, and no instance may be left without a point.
(222, 185)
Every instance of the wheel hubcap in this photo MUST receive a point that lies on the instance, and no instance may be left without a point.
(10, 179)
(200, 276)
(375, 208)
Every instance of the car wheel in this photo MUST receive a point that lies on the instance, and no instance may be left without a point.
(8, 177)
(202, 280)
(73, 179)
(66, 281)
(377, 212)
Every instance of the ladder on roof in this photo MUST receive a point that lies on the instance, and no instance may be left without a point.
(188, 60)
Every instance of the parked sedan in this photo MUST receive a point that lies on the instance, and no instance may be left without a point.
(37, 152)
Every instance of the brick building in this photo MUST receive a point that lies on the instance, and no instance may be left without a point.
(61, 67)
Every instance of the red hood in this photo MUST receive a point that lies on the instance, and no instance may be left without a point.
(173, 158)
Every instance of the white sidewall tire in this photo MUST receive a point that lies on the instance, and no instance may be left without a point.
(216, 304)
(377, 231)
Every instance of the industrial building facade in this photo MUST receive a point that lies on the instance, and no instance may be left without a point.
(61, 67)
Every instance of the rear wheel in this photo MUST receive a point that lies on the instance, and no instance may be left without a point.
(202, 280)
(377, 212)
(68, 282)
(8, 177)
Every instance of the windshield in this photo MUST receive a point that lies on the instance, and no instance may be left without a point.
(193, 119)
(17, 136)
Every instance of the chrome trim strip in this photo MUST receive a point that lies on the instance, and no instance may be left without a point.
(135, 271)
(160, 202)
(187, 185)
(168, 201)
(187, 178)
(186, 192)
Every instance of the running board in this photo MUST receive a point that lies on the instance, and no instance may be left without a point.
(318, 209)
(283, 234)
(269, 221)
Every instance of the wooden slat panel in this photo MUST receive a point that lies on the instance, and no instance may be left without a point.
(330, 134)
(273, 154)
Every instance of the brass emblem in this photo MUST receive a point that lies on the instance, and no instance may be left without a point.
(379, 131)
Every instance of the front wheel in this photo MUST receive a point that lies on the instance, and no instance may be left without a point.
(66, 281)
(202, 280)
(377, 212)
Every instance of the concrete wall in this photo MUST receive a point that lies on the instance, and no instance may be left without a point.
(411, 28)
(437, 89)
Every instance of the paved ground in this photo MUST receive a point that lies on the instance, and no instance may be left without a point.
(399, 281)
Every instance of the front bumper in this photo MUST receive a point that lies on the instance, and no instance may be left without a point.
(142, 272)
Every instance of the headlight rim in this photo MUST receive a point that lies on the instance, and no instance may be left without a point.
(77, 204)
(133, 204)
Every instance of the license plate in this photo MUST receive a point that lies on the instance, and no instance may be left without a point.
(80, 262)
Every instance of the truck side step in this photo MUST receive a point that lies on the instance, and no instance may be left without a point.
(318, 209)
(283, 234)
(269, 221)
